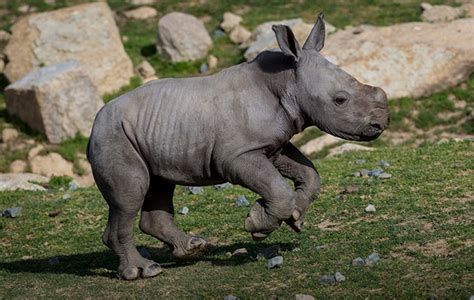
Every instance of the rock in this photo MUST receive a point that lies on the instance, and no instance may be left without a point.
(12, 212)
(84, 181)
(141, 13)
(55, 213)
(72, 186)
(327, 279)
(26, 257)
(372, 259)
(212, 62)
(182, 37)
(25, 8)
(59, 100)
(303, 297)
(142, 2)
(239, 35)
(203, 68)
(51, 164)
(145, 70)
(195, 190)
(364, 173)
(375, 172)
(350, 189)
(184, 211)
(468, 9)
(268, 252)
(144, 252)
(360, 161)
(384, 163)
(9, 134)
(223, 186)
(240, 252)
(4, 36)
(230, 297)
(385, 176)
(440, 13)
(319, 143)
(408, 59)
(471, 297)
(54, 261)
(339, 277)
(347, 147)
(18, 166)
(230, 21)
(356, 174)
(274, 262)
(150, 79)
(241, 201)
(370, 208)
(22, 181)
(2, 65)
(218, 33)
(359, 261)
(86, 33)
(35, 151)
(264, 38)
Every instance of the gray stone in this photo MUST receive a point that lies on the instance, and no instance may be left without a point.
(12, 212)
(59, 100)
(141, 13)
(303, 297)
(339, 277)
(385, 176)
(241, 201)
(347, 147)
(223, 186)
(240, 252)
(360, 161)
(218, 33)
(230, 297)
(73, 186)
(22, 181)
(182, 37)
(195, 190)
(274, 262)
(373, 258)
(327, 279)
(356, 174)
(184, 211)
(319, 143)
(370, 208)
(144, 252)
(86, 33)
(440, 13)
(4, 36)
(203, 68)
(364, 173)
(384, 163)
(359, 261)
(66, 196)
(375, 172)
(52, 164)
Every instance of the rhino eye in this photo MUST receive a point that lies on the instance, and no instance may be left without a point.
(339, 100)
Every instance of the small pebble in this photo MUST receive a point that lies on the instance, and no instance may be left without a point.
(144, 252)
(303, 297)
(327, 279)
(26, 257)
(203, 68)
(218, 33)
(53, 261)
(296, 250)
(372, 258)
(66, 196)
(12, 212)
(384, 163)
(339, 197)
(472, 297)
(370, 208)
(356, 174)
(360, 161)
(230, 297)
(364, 173)
(240, 252)
(359, 261)
(375, 172)
(228, 254)
(55, 213)
(339, 277)
(223, 186)
(351, 189)
(241, 201)
(385, 176)
(195, 190)
(274, 262)
(184, 211)
(73, 186)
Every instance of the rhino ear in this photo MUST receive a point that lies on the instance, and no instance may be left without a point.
(287, 41)
(316, 37)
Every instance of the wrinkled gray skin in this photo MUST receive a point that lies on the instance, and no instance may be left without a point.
(232, 126)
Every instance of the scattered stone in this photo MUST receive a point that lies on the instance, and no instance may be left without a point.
(218, 33)
(184, 211)
(359, 261)
(25, 8)
(372, 259)
(59, 100)
(319, 143)
(241, 201)
(375, 172)
(296, 249)
(182, 37)
(54, 214)
(303, 297)
(212, 62)
(230, 21)
(27, 257)
(9, 134)
(240, 252)
(347, 147)
(471, 297)
(142, 2)
(230, 297)
(240, 35)
(145, 70)
(22, 181)
(18, 166)
(12, 212)
(350, 189)
(274, 262)
(54, 261)
(2, 65)
(370, 208)
(360, 161)
(145, 80)
(141, 13)
(73, 186)
(203, 68)
(356, 174)
(195, 190)
(385, 176)
(66, 196)
(327, 279)
(4, 36)
(35, 151)
(223, 186)
(384, 163)
(364, 173)
(440, 13)
(144, 252)
(51, 164)
(228, 254)
(268, 252)
(86, 33)
(339, 277)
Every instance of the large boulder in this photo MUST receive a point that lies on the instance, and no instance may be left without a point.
(440, 13)
(59, 100)
(182, 37)
(406, 60)
(51, 165)
(23, 181)
(319, 143)
(263, 37)
(86, 32)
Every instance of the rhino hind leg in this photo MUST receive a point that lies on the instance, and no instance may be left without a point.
(157, 220)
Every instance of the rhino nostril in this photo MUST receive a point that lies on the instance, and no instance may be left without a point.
(376, 126)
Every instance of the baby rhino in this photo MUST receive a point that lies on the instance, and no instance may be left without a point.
(233, 126)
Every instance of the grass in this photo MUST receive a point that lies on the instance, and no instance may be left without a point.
(422, 230)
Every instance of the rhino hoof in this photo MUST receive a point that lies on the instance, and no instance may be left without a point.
(129, 273)
(151, 270)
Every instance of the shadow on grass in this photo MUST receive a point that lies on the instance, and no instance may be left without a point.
(104, 263)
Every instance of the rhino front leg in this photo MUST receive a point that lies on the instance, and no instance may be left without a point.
(157, 220)
(257, 173)
(294, 165)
